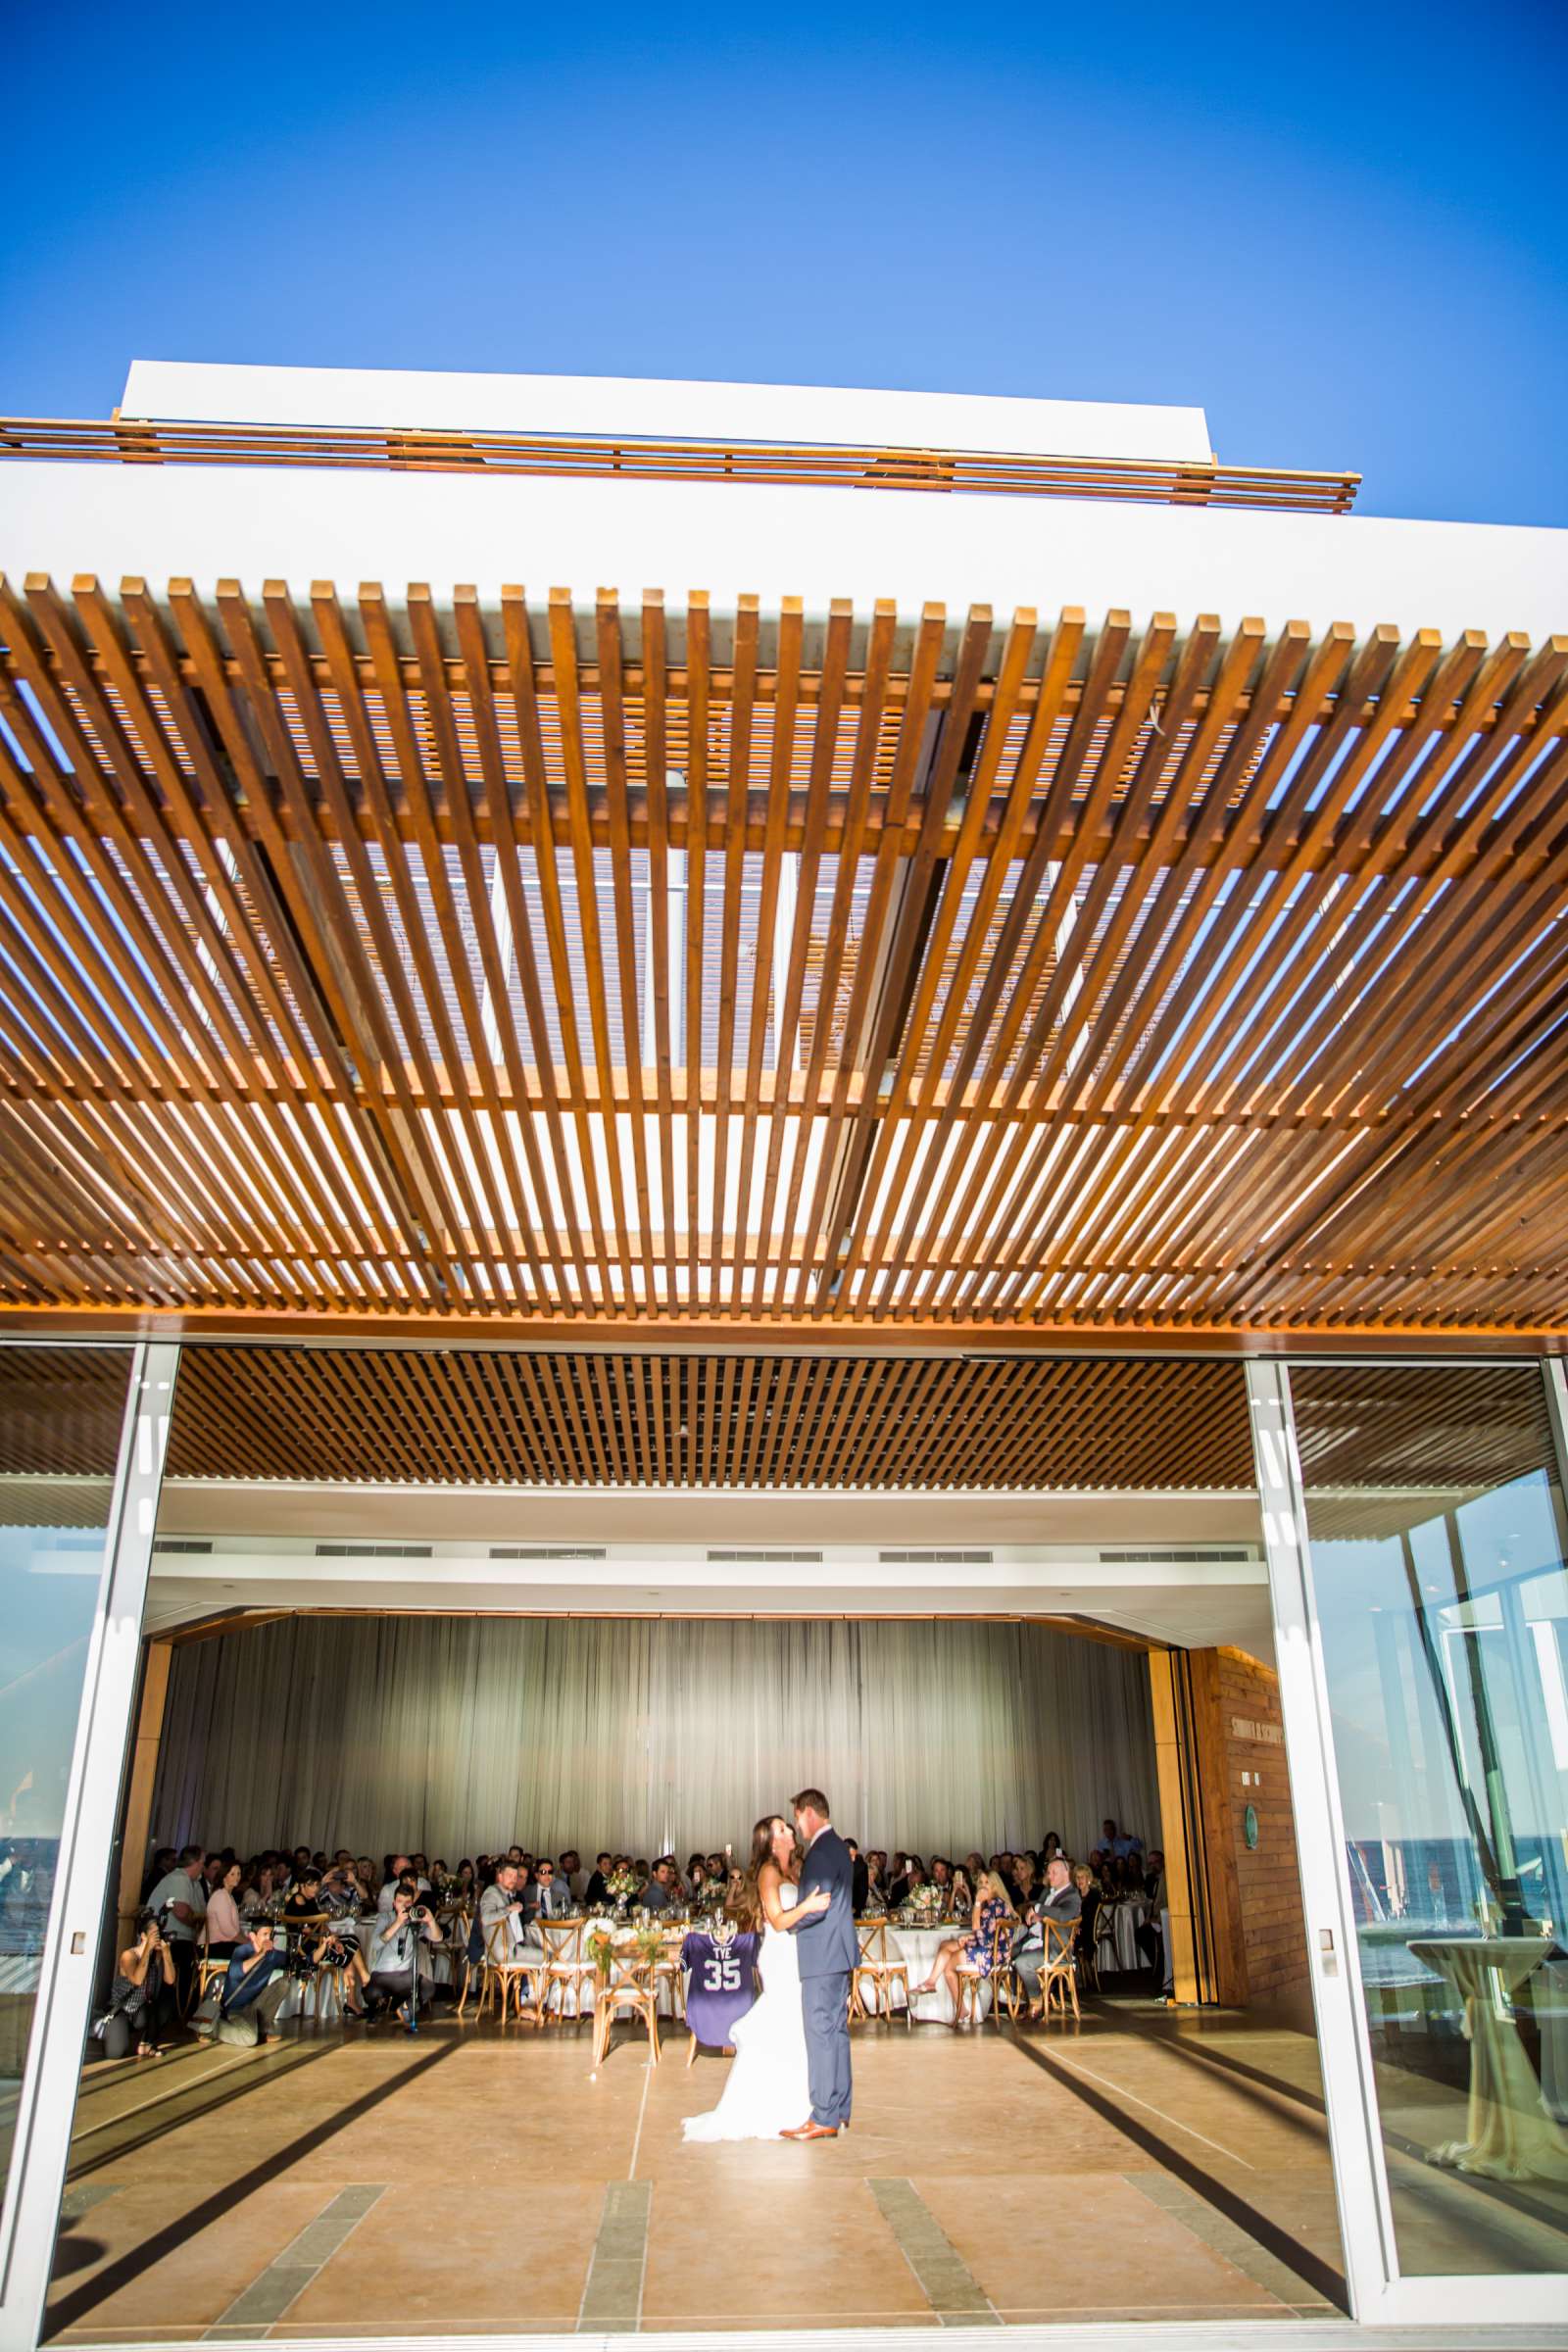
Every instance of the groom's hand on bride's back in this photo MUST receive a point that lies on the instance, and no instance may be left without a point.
(820, 1901)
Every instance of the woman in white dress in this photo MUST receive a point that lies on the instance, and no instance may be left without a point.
(767, 2091)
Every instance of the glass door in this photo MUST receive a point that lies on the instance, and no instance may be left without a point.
(83, 1437)
(1417, 1539)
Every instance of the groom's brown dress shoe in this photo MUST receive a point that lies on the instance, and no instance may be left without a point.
(812, 2130)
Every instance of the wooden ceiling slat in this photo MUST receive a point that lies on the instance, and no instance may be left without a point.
(456, 963)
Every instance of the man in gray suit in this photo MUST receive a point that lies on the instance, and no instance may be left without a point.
(1060, 1903)
(827, 1948)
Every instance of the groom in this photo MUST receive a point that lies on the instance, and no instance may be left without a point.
(827, 1949)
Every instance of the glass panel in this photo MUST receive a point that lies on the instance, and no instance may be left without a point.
(61, 1414)
(1435, 1511)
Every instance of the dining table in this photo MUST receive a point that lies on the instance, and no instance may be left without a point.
(1509, 2134)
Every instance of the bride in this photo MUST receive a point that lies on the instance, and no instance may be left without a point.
(767, 2090)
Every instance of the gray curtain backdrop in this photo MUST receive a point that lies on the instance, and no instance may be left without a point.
(454, 1735)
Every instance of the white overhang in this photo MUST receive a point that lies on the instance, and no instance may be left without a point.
(255, 523)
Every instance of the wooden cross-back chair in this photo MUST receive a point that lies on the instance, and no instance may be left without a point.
(882, 1974)
(1002, 1977)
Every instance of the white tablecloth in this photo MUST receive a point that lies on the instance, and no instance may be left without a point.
(1117, 1934)
(917, 1948)
(439, 1964)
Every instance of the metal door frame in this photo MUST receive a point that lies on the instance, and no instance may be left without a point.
(1379, 2293)
(47, 2103)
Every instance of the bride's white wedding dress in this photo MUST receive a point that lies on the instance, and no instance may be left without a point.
(769, 2090)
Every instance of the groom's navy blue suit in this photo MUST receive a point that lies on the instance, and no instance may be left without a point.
(829, 1949)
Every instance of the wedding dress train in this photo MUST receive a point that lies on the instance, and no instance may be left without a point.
(769, 2090)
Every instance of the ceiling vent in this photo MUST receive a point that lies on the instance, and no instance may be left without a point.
(373, 1551)
(814, 1558)
(548, 1551)
(1166, 1559)
(184, 1544)
(937, 1559)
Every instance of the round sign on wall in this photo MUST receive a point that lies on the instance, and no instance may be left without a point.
(1249, 1829)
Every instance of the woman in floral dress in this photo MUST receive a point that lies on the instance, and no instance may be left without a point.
(978, 1949)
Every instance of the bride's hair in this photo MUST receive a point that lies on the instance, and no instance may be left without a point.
(762, 1842)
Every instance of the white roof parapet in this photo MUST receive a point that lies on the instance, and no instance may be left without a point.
(649, 408)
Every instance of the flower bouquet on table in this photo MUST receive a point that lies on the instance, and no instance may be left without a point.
(623, 1884)
(923, 1906)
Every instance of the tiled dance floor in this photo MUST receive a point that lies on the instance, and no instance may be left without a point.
(477, 2181)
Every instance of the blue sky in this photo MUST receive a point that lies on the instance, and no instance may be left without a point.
(1341, 231)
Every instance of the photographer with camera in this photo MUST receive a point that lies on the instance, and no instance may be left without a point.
(395, 1948)
(141, 1999)
(316, 1942)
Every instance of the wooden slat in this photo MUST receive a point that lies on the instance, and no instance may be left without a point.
(406, 963)
(1164, 481)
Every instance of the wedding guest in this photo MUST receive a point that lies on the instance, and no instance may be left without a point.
(468, 1886)
(1119, 1842)
(256, 1980)
(1023, 1882)
(861, 1878)
(598, 1883)
(1061, 1903)
(572, 1875)
(550, 1898)
(963, 1893)
(1088, 1886)
(876, 1892)
(975, 1950)
(660, 1891)
(502, 1899)
(325, 1946)
(912, 1876)
(941, 1875)
(1052, 1844)
(141, 1998)
(178, 1901)
(224, 1926)
(163, 1862)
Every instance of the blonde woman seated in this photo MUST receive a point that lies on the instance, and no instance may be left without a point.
(977, 1949)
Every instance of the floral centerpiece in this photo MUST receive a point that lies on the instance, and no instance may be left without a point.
(623, 1884)
(924, 1906)
(623, 1948)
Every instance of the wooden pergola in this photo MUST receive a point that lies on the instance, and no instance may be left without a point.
(405, 966)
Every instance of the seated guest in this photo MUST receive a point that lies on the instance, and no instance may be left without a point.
(911, 1875)
(722, 1962)
(660, 1891)
(224, 1929)
(141, 1998)
(255, 1981)
(503, 1899)
(395, 1948)
(598, 1890)
(977, 1949)
(1120, 1842)
(397, 1867)
(573, 1876)
(1062, 1903)
(861, 1878)
(1023, 1881)
(876, 1892)
(1088, 1886)
(963, 1893)
(1050, 1844)
(941, 1875)
(550, 1898)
